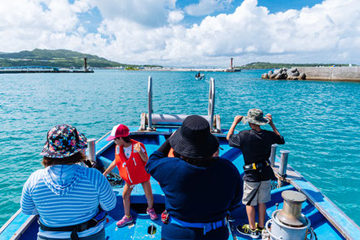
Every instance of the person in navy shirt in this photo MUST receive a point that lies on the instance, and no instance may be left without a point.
(199, 189)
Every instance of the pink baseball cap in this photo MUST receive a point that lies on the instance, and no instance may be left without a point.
(118, 131)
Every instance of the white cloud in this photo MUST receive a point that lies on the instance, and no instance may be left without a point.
(205, 7)
(175, 17)
(151, 32)
(152, 13)
(80, 6)
(23, 24)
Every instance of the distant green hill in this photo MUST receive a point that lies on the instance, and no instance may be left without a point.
(58, 58)
(267, 65)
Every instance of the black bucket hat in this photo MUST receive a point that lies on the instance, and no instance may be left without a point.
(194, 139)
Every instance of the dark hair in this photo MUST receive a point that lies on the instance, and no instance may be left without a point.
(126, 139)
(76, 158)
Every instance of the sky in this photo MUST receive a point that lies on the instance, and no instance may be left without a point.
(187, 33)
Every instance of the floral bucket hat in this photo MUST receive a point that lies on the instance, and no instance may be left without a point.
(63, 141)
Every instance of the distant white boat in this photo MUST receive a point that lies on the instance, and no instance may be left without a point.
(199, 76)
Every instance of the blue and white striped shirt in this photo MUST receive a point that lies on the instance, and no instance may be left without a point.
(65, 195)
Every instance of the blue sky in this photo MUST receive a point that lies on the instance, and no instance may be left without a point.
(283, 5)
(187, 33)
(92, 19)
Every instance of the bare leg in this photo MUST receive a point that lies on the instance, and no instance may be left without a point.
(148, 193)
(250, 210)
(126, 198)
(262, 212)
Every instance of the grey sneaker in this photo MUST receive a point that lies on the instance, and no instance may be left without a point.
(246, 230)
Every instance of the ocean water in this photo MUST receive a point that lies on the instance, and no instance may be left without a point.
(319, 120)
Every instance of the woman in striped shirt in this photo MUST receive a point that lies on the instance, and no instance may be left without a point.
(65, 194)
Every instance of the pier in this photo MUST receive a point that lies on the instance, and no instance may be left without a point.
(346, 74)
(231, 68)
(197, 69)
(42, 70)
(45, 69)
(339, 74)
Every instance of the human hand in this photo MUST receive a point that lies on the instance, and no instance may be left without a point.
(137, 147)
(237, 119)
(268, 116)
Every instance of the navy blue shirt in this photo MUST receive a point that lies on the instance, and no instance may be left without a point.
(256, 147)
(196, 194)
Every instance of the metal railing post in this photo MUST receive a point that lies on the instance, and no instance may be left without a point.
(91, 147)
(211, 103)
(283, 166)
(150, 104)
(273, 154)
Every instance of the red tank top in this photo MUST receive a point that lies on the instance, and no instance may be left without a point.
(132, 170)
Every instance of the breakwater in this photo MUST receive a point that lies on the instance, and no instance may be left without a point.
(42, 70)
(346, 74)
(192, 69)
(350, 74)
(284, 74)
(45, 69)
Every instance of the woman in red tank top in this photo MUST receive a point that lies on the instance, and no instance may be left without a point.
(130, 158)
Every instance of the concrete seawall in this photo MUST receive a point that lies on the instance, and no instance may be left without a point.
(348, 74)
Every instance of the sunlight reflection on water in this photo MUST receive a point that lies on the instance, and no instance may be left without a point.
(318, 119)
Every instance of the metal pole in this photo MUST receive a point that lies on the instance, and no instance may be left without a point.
(150, 103)
(91, 147)
(85, 65)
(283, 166)
(211, 102)
(283, 162)
(273, 154)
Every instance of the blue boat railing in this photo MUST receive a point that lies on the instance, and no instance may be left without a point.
(149, 120)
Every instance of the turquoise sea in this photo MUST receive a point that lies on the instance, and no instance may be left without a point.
(319, 120)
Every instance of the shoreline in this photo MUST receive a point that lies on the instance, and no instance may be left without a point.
(192, 69)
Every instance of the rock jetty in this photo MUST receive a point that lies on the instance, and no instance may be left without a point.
(285, 74)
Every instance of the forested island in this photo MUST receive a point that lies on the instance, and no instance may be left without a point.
(71, 59)
(60, 58)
